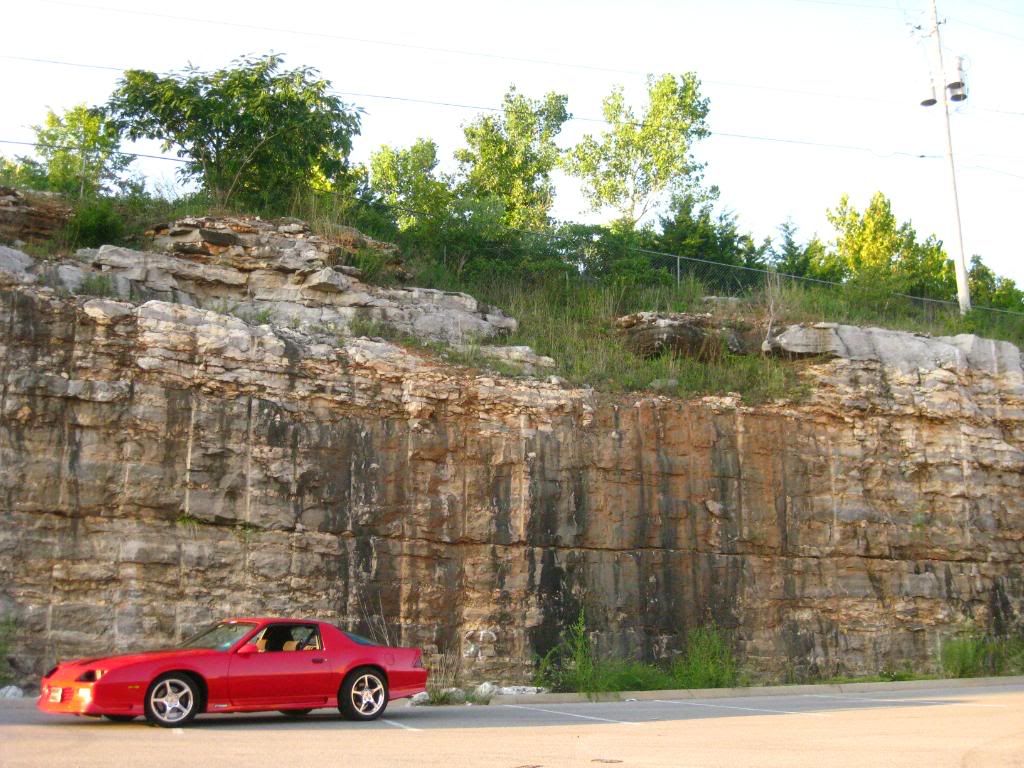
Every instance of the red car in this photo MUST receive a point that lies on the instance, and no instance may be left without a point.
(240, 665)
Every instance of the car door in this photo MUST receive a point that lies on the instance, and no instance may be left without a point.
(289, 668)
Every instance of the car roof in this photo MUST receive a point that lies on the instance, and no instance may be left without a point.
(268, 619)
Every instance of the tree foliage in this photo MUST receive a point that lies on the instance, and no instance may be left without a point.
(511, 156)
(990, 290)
(253, 133)
(638, 158)
(872, 247)
(691, 229)
(78, 155)
(408, 181)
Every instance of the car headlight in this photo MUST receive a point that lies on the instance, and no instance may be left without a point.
(91, 675)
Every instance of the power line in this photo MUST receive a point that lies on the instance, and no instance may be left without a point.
(577, 118)
(990, 31)
(843, 96)
(79, 149)
(999, 10)
(458, 52)
(853, 5)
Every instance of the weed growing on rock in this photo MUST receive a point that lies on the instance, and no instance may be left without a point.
(97, 285)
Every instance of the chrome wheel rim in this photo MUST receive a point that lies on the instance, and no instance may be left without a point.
(368, 695)
(171, 700)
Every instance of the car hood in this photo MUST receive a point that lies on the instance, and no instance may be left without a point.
(125, 659)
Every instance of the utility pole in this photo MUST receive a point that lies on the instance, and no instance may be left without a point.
(963, 291)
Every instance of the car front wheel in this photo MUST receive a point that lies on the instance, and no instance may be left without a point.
(172, 700)
(363, 695)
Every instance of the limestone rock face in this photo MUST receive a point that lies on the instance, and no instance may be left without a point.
(163, 465)
(31, 217)
(696, 335)
(278, 273)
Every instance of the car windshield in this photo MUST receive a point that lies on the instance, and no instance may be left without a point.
(219, 637)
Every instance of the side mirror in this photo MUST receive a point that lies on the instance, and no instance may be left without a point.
(248, 648)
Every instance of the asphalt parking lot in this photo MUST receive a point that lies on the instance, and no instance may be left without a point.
(940, 726)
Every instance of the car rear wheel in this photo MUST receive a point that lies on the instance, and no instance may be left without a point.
(295, 712)
(119, 718)
(363, 695)
(172, 700)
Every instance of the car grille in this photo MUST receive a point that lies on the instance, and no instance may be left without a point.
(66, 694)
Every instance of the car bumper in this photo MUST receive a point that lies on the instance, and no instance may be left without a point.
(75, 698)
(407, 682)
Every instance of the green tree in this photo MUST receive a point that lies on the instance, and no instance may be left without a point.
(79, 151)
(511, 156)
(873, 248)
(253, 134)
(990, 290)
(809, 259)
(638, 159)
(23, 172)
(407, 180)
(691, 229)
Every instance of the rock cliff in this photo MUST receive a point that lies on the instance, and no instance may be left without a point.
(162, 465)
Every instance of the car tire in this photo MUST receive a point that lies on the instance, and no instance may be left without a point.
(173, 700)
(119, 718)
(295, 712)
(364, 694)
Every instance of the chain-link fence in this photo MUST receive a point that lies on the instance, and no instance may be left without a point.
(855, 301)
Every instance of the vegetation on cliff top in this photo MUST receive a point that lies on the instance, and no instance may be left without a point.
(255, 137)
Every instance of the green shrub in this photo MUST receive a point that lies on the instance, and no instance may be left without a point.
(573, 665)
(976, 655)
(7, 629)
(707, 661)
(95, 223)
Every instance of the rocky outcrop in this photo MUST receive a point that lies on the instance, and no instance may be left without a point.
(277, 273)
(163, 464)
(31, 217)
(698, 335)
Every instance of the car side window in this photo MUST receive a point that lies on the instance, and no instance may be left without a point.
(288, 637)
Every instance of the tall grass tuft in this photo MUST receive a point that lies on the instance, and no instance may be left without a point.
(444, 671)
(574, 665)
(707, 661)
(976, 655)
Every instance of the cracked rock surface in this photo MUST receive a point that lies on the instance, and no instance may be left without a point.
(163, 465)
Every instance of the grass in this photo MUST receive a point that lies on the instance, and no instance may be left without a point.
(8, 626)
(97, 285)
(574, 665)
(443, 677)
(573, 322)
(977, 655)
(860, 305)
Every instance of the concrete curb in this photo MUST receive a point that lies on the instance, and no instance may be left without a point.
(766, 690)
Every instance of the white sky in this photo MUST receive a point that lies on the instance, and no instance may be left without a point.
(822, 71)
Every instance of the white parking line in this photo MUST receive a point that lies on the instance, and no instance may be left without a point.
(570, 714)
(743, 709)
(931, 702)
(400, 725)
